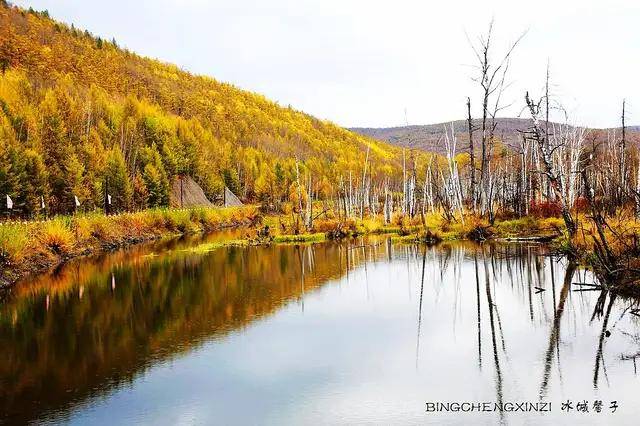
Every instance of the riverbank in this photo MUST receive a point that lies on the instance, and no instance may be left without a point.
(28, 248)
(32, 247)
(622, 236)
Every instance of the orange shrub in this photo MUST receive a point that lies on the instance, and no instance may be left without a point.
(545, 209)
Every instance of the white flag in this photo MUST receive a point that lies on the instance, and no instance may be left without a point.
(9, 203)
(108, 199)
(42, 202)
(77, 201)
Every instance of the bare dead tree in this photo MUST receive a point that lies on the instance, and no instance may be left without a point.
(537, 134)
(622, 166)
(472, 157)
(452, 185)
(492, 81)
(300, 211)
(364, 179)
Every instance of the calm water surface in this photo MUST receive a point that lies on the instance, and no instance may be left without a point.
(364, 332)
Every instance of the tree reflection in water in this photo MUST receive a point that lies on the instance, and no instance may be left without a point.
(95, 325)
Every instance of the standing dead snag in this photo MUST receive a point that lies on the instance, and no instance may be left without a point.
(404, 181)
(364, 179)
(472, 158)
(452, 187)
(300, 212)
(309, 205)
(538, 135)
(622, 166)
(546, 121)
(492, 80)
(388, 203)
(637, 192)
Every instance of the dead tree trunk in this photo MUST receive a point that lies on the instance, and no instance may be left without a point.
(300, 212)
(537, 134)
(309, 221)
(364, 179)
(622, 182)
(491, 78)
(472, 157)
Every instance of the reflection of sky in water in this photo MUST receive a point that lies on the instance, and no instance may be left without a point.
(349, 355)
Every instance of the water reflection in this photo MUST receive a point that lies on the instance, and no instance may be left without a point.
(95, 324)
(363, 331)
(554, 335)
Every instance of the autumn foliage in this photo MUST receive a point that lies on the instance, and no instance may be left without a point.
(81, 116)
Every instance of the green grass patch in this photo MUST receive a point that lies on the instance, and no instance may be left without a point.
(207, 247)
(403, 238)
(516, 227)
(301, 238)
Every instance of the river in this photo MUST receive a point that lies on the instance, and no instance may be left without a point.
(359, 332)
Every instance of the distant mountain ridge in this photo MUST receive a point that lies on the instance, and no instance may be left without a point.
(430, 137)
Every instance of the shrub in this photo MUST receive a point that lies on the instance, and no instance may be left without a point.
(555, 224)
(430, 237)
(181, 220)
(545, 209)
(13, 243)
(400, 219)
(516, 226)
(57, 237)
(479, 233)
(581, 205)
(371, 225)
(325, 225)
(136, 224)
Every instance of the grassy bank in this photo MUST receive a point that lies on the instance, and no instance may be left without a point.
(28, 247)
(35, 246)
(404, 228)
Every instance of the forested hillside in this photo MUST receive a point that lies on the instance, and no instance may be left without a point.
(78, 113)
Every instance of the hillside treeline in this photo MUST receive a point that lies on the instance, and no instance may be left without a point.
(81, 117)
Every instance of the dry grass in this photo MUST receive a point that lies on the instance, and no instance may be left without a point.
(34, 245)
(13, 243)
(63, 237)
(56, 237)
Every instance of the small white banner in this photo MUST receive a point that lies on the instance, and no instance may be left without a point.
(108, 199)
(77, 201)
(42, 202)
(9, 203)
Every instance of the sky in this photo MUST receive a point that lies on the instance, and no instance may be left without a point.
(370, 63)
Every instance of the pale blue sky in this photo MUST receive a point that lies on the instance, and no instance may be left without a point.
(361, 63)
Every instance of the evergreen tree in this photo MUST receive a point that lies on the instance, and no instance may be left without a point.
(155, 178)
(119, 184)
(57, 154)
(231, 180)
(73, 179)
(140, 192)
(34, 184)
(157, 193)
